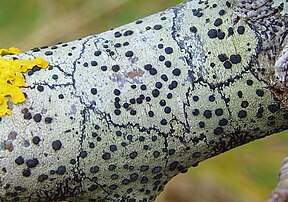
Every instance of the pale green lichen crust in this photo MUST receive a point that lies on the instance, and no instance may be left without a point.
(270, 19)
(117, 115)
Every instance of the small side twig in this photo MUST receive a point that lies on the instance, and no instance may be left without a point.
(280, 193)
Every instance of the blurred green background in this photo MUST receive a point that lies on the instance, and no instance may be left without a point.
(248, 173)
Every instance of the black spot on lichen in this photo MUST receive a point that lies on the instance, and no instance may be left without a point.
(56, 145)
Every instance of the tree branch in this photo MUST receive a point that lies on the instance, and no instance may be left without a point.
(117, 115)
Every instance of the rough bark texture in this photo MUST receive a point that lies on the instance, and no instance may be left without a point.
(116, 115)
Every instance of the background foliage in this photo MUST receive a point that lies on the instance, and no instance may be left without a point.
(248, 173)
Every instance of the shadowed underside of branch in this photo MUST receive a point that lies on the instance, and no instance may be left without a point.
(116, 115)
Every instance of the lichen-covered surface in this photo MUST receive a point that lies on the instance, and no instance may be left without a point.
(12, 79)
(116, 115)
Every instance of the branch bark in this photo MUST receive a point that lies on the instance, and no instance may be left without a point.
(116, 115)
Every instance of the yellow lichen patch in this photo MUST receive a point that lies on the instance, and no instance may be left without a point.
(9, 51)
(12, 79)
